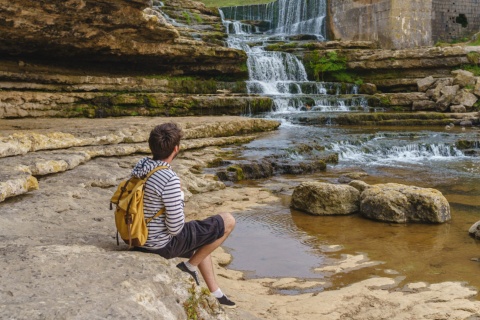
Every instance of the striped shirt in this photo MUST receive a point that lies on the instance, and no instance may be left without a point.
(162, 190)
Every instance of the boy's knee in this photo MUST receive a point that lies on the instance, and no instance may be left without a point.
(229, 221)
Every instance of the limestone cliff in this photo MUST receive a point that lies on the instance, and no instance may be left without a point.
(103, 32)
(84, 58)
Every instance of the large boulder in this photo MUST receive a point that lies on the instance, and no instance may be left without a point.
(399, 203)
(474, 230)
(320, 198)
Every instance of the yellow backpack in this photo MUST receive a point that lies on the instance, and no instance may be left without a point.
(129, 218)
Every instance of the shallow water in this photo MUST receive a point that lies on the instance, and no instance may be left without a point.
(280, 242)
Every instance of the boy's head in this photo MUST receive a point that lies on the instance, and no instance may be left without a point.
(163, 140)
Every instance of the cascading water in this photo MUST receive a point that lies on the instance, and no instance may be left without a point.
(281, 75)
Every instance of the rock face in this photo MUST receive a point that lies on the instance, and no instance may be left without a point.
(104, 32)
(399, 203)
(119, 58)
(325, 199)
(31, 149)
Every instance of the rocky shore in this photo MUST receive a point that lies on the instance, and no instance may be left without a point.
(60, 259)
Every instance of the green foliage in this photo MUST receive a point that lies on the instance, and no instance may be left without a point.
(187, 17)
(194, 302)
(198, 18)
(475, 69)
(473, 57)
(475, 42)
(239, 172)
(329, 63)
(332, 65)
(476, 106)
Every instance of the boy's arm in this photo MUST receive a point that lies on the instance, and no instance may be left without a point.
(172, 197)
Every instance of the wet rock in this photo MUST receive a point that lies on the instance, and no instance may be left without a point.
(467, 144)
(399, 203)
(246, 170)
(425, 83)
(463, 78)
(466, 123)
(299, 168)
(474, 230)
(368, 88)
(320, 198)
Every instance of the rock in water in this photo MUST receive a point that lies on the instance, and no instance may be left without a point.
(399, 203)
(320, 198)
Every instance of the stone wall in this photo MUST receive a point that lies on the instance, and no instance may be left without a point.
(402, 24)
(455, 19)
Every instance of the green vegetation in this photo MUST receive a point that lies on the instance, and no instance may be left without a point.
(475, 42)
(238, 171)
(473, 57)
(228, 3)
(198, 18)
(194, 302)
(330, 65)
(475, 69)
(187, 17)
(476, 106)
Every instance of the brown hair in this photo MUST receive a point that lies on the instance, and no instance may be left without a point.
(163, 139)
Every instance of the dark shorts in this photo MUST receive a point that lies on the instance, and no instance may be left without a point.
(195, 234)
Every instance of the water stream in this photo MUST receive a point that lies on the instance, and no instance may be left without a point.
(294, 244)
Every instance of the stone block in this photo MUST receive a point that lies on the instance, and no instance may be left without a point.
(458, 109)
(425, 83)
(465, 98)
(423, 105)
(463, 78)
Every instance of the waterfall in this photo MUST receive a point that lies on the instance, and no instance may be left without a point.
(287, 17)
(282, 75)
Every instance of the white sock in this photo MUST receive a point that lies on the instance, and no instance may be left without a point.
(190, 266)
(217, 293)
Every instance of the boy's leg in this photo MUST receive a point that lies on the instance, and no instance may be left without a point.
(206, 269)
(203, 252)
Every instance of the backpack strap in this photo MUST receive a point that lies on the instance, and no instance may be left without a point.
(147, 221)
(155, 170)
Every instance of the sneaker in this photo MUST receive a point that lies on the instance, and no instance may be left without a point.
(184, 268)
(226, 303)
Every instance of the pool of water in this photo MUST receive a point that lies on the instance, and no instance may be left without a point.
(277, 241)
